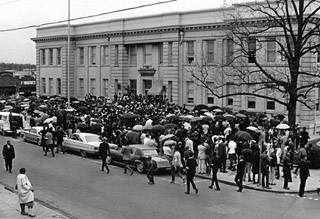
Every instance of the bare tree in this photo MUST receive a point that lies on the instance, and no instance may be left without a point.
(287, 28)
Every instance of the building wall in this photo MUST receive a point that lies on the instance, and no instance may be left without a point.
(173, 30)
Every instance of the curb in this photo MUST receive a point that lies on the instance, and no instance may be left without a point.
(256, 188)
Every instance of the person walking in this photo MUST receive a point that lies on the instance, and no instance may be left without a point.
(286, 171)
(43, 133)
(304, 174)
(222, 153)
(176, 165)
(49, 142)
(215, 165)
(240, 172)
(150, 170)
(191, 166)
(126, 152)
(8, 155)
(25, 193)
(202, 158)
(59, 135)
(104, 152)
(232, 147)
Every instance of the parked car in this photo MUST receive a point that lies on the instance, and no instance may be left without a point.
(139, 157)
(32, 134)
(85, 143)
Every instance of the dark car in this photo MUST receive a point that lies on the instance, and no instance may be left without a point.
(139, 156)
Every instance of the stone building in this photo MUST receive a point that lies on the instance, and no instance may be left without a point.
(148, 55)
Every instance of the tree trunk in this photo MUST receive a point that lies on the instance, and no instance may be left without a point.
(292, 106)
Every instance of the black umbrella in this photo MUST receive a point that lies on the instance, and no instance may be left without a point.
(243, 135)
(129, 116)
(169, 126)
(157, 128)
(200, 107)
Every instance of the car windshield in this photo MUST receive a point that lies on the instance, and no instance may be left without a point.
(92, 138)
(149, 152)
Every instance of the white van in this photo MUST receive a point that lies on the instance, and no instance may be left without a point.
(5, 123)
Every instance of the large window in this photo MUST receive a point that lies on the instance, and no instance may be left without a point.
(133, 55)
(50, 85)
(43, 56)
(190, 92)
(160, 53)
(271, 50)
(81, 55)
(251, 50)
(58, 56)
(58, 85)
(170, 53)
(251, 102)
(229, 51)
(43, 85)
(116, 55)
(147, 84)
(81, 86)
(133, 86)
(147, 55)
(50, 56)
(170, 91)
(93, 86)
(210, 51)
(105, 87)
(190, 52)
(105, 55)
(230, 90)
(93, 55)
(271, 105)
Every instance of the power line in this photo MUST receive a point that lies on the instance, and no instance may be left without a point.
(89, 16)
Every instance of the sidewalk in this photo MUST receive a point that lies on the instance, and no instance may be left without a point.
(311, 186)
(10, 208)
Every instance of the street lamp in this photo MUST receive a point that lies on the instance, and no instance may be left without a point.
(68, 61)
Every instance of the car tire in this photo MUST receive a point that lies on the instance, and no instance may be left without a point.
(24, 138)
(38, 142)
(83, 153)
(140, 167)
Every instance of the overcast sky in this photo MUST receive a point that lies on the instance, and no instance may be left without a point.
(16, 46)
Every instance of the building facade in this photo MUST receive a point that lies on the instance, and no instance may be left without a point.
(149, 55)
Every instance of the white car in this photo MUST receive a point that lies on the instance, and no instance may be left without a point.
(85, 143)
(32, 134)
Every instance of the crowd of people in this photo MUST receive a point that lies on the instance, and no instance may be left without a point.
(204, 133)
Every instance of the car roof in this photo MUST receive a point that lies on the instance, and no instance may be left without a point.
(86, 134)
(141, 146)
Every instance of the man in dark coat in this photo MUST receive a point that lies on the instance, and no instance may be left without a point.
(304, 174)
(240, 172)
(304, 136)
(215, 165)
(150, 168)
(222, 153)
(59, 135)
(104, 152)
(8, 155)
(191, 166)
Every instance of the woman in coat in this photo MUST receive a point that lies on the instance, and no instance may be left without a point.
(25, 193)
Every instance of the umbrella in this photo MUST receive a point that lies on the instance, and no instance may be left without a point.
(42, 106)
(241, 115)
(228, 117)
(147, 127)
(200, 107)
(137, 128)
(252, 128)
(206, 118)
(169, 143)
(209, 114)
(195, 119)
(243, 135)
(158, 128)
(168, 136)
(70, 109)
(169, 126)
(173, 117)
(82, 109)
(186, 117)
(218, 110)
(26, 99)
(282, 126)
(211, 108)
(129, 116)
(48, 120)
(243, 112)
(219, 118)
(37, 112)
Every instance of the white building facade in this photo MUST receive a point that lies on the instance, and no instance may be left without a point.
(148, 55)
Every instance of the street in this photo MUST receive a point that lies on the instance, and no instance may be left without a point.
(76, 187)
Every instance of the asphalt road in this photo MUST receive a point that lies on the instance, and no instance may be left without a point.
(76, 187)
